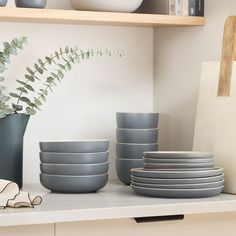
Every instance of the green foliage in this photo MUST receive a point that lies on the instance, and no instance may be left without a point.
(9, 49)
(48, 72)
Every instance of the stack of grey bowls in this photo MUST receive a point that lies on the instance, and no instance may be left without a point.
(178, 175)
(136, 133)
(74, 166)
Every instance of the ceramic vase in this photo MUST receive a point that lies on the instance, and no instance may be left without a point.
(12, 130)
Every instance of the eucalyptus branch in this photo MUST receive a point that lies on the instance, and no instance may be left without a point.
(63, 60)
(9, 49)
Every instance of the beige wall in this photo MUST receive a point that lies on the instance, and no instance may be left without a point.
(84, 106)
(179, 53)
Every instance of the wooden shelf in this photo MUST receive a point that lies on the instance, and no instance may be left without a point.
(52, 16)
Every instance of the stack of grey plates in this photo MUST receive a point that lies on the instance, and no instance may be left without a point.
(74, 166)
(136, 133)
(178, 175)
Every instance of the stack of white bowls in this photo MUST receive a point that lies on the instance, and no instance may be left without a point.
(74, 166)
(136, 133)
(178, 175)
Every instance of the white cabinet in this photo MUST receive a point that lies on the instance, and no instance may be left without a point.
(192, 225)
(29, 230)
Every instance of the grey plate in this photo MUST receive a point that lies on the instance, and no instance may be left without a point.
(81, 146)
(137, 135)
(178, 155)
(178, 161)
(74, 184)
(137, 120)
(158, 166)
(178, 174)
(180, 186)
(134, 151)
(123, 168)
(178, 193)
(178, 181)
(74, 158)
(74, 169)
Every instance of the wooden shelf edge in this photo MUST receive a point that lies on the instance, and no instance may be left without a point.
(51, 16)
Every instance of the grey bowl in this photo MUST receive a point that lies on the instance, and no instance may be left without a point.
(134, 151)
(3, 3)
(74, 184)
(81, 146)
(74, 158)
(178, 161)
(74, 169)
(137, 120)
(123, 168)
(31, 3)
(137, 135)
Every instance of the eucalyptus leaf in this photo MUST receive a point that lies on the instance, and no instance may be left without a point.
(23, 90)
(30, 111)
(29, 87)
(14, 95)
(30, 78)
(17, 107)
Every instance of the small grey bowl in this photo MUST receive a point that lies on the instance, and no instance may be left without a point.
(31, 3)
(80, 146)
(74, 169)
(74, 184)
(124, 166)
(134, 150)
(74, 158)
(137, 135)
(3, 3)
(137, 120)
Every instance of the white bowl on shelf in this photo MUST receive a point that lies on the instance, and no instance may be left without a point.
(106, 5)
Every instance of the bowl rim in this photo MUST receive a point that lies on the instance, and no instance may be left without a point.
(74, 176)
(129, 129)
(73, 153)
(137, 144)
(73, 141)
(137, 113)
(76, 165)
(125, 159)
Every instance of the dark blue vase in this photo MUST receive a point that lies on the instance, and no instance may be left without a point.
(12, 130)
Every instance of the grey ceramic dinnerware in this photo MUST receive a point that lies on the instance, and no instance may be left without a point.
(176, 174)
(143, 180)
(74, 169)
(159, 166)
(137, 135)
(137, 120)
(74, 158)
(3, 3)
(31, 3)
(74, 184)
(124, 166)
(134, 151)
(178, 193)
(82, 146)
(178, 155)
(178, 161)
(180, 186)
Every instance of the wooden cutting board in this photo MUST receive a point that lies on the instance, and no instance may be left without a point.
(215, 127)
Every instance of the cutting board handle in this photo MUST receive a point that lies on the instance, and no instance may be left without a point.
(228, 56)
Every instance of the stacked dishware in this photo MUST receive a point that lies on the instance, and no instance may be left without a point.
(74, 166)
(136, 133)
(178, 175)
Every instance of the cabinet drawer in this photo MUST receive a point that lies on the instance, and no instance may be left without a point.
(194, 225)
(28, 230)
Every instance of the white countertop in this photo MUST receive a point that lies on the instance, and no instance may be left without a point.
(115, 201)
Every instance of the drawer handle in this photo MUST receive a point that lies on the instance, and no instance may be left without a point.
(158, 218)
